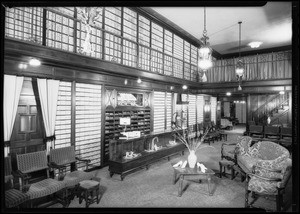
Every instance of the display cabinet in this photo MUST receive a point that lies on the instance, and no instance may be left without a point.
(139, 122)
(128, 155)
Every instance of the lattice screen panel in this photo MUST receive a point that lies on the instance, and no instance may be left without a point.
(60, 31)
(178, 68)
(156, 62)
(200, 105)
(95, 40)
(168, 43)
(187, 71)
(168, 65)
(159, 111)
(88, 122)
(178, 47)
(144, 31)
(157, 37)
(24, 23)
(113, 48)
(63, 115)
(129, 24)
(213, 109)
(144, 58)
(129, 53)
(192, 109)
(113, 20)
(168, 111)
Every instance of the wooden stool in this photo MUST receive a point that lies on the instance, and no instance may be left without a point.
(89, 191)
(229, 164)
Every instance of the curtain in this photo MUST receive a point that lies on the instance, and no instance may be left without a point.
(12, 90)
(48, 93)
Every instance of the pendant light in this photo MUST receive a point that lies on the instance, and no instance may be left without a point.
(239, 68)
(205, 52)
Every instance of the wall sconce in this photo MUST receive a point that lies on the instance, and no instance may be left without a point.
(22, 65)
(125, 82)
(207, 107)
(34, 62)
(228, 93)
(281, 92)
(6, 148)
(171, 88)
(184, 87)
(139, 80)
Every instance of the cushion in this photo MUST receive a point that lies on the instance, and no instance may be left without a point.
(87, 184)
(44, 188)
(14, 198)
(263, 186)
(73, 178)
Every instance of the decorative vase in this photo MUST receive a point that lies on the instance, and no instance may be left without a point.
(192, 159)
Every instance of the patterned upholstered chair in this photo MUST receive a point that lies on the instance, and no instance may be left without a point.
(62, 158)
(13, 197)
(31, 163)
(270, 169)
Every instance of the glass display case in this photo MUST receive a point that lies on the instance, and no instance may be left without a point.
(127, 155)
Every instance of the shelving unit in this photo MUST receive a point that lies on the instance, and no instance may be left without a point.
(140, 121)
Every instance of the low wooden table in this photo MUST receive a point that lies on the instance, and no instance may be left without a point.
(187, 171)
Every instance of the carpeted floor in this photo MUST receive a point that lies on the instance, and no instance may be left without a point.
(153, 187)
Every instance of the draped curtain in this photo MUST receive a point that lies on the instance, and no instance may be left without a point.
(48, 93)
(12, 90)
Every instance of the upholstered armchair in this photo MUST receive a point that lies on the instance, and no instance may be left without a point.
(62, 158)
(36, 188)
(13, 196)
(270, 172)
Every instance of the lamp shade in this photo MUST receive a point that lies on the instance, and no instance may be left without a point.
(239, 69)
(205, 58)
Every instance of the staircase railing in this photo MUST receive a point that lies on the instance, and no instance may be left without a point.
(265, 109)
(277, 119)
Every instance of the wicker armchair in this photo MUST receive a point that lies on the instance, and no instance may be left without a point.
(13, 197)
(33, 162)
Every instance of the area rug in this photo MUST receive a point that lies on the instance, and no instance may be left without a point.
(153, 188)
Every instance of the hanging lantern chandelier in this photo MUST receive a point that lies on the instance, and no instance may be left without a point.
(205, 52)
(239, 68)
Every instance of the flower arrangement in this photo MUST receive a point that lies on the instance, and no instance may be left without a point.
(193, 144)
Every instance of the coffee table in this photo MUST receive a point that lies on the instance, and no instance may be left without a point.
(187, 171)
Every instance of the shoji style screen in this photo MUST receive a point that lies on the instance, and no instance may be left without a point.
(213, 109)
(168, 111)
(200, 104)
(63, 115)
(159, 111)
(88, 122)
(192, 109)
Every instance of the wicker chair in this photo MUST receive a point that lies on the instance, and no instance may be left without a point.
(13, 197)
(60, 159)
(34, 162)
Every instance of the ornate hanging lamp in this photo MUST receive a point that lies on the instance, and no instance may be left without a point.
(204, 52)
(239, 68)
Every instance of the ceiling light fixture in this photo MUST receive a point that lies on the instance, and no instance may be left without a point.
(239, 68)
(254, 44)
(205, 52)
(34, 62)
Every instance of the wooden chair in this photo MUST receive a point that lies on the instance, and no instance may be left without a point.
(286, 137)
(61, 159)
(13, 196)
(36, 189)
(256, 131)
(271, 133)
